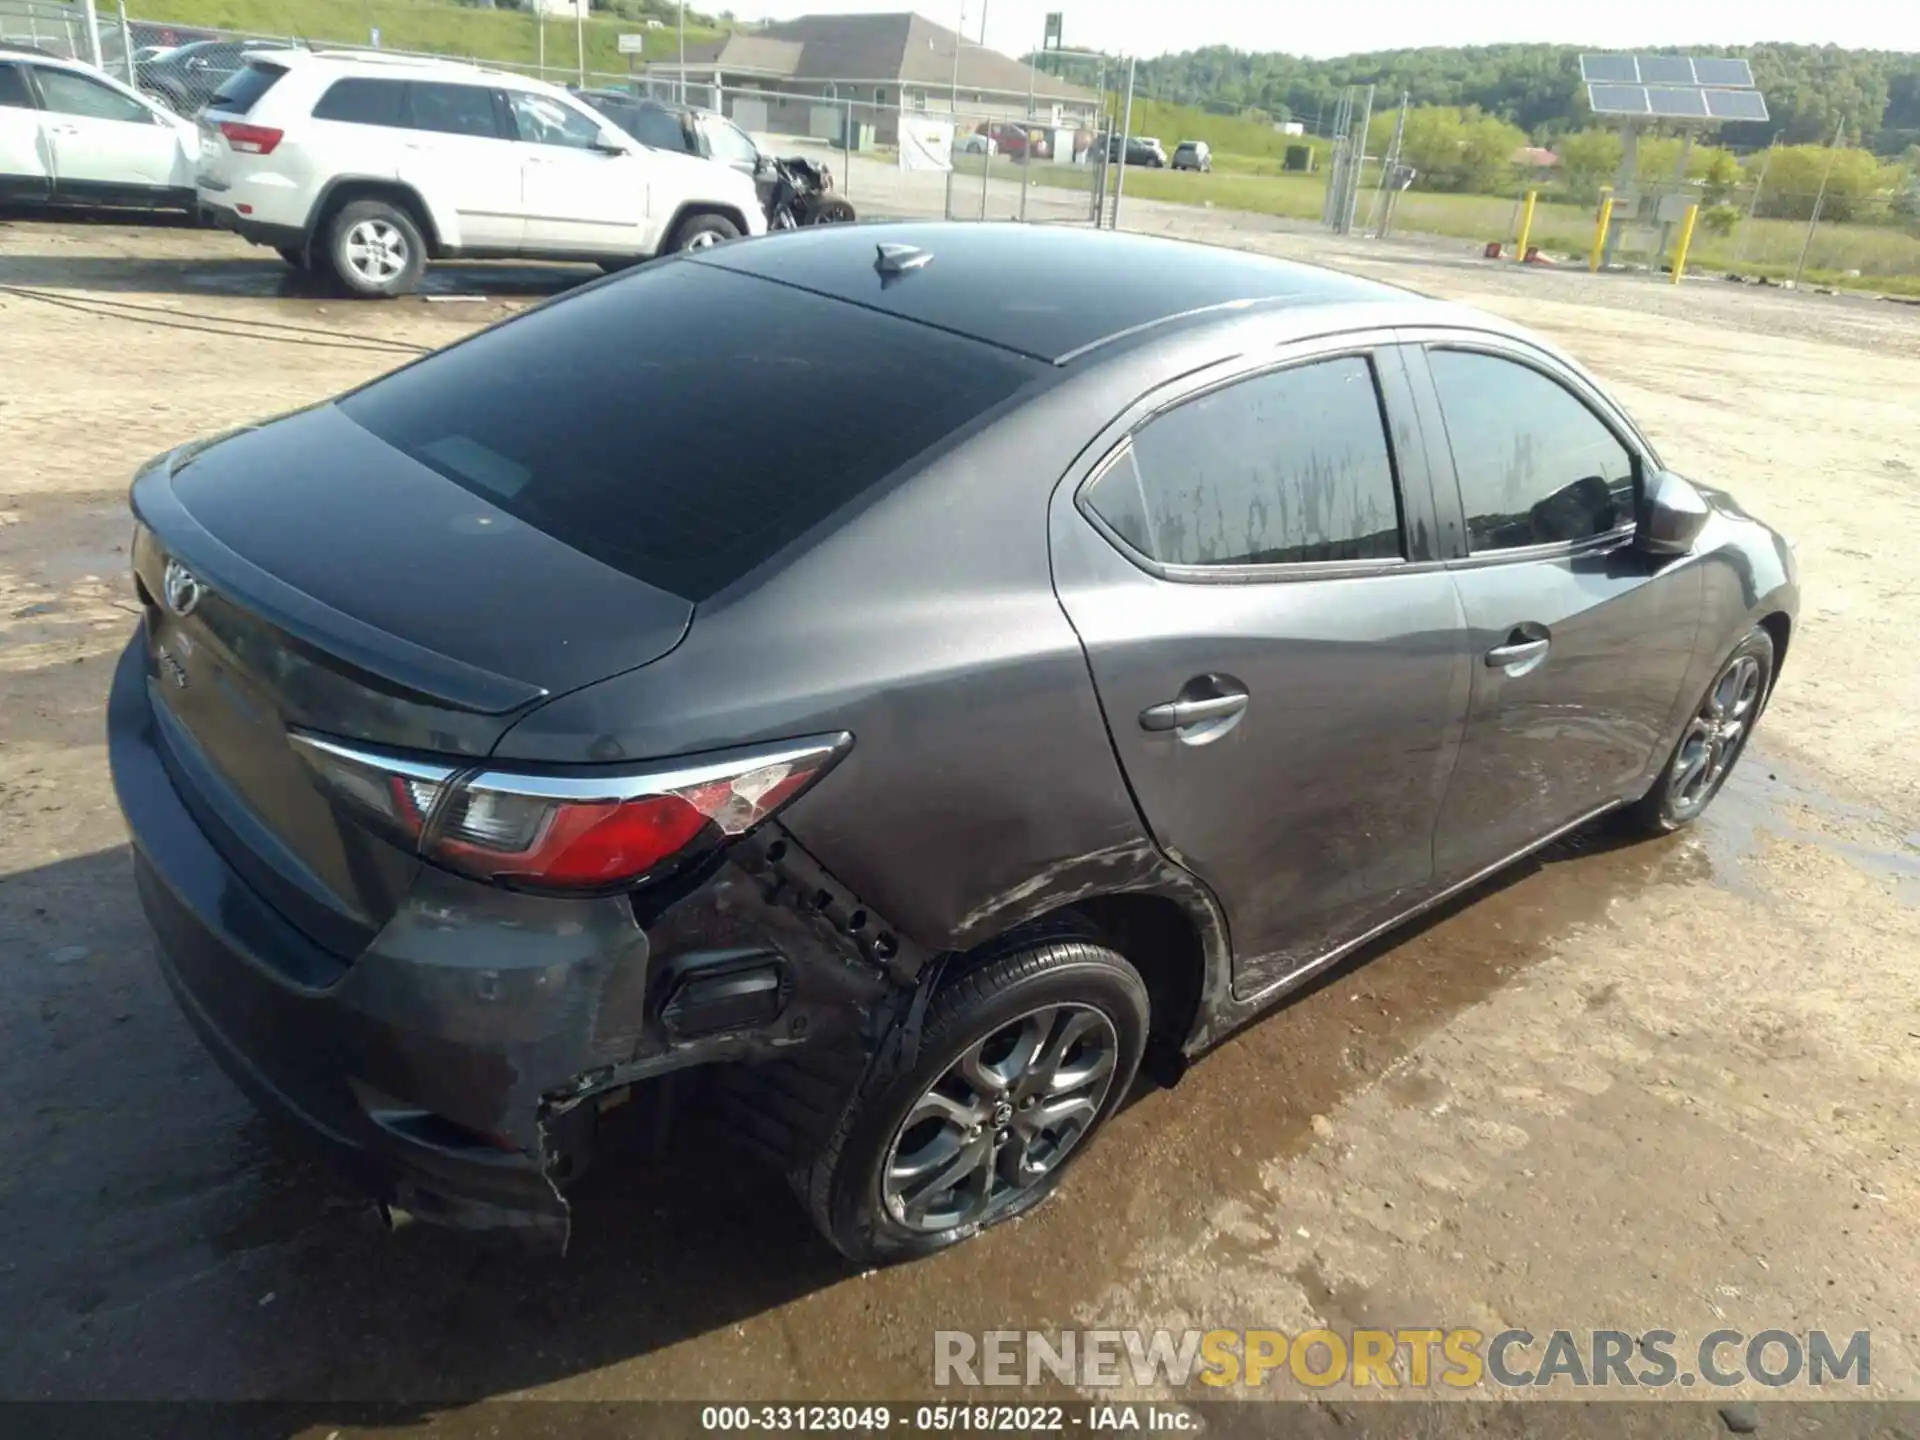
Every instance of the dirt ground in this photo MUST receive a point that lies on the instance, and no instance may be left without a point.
(1670, 1085)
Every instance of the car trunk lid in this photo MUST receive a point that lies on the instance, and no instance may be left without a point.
(306, 576)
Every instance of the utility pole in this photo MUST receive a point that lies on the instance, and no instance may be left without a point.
(1820, 199)
(683, 52)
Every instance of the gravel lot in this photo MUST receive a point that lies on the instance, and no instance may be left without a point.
(1671, 1085)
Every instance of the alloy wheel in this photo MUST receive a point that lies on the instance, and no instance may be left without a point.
(703, 240)
(1001, 1118)
(376, 251)
(1715, 736)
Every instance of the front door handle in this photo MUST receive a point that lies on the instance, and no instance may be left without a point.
(1523, 650)
(1175, 714)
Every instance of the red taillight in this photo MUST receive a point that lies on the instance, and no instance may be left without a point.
(587, 830)
(250, 139)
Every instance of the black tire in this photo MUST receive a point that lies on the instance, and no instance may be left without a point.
(1716, 736)
(295, 256)
(1042, 989)
(614, 267)
(394, 268)
(829, 210)
(696, 232)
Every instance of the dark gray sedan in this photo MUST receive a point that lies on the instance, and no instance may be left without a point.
(912, 674)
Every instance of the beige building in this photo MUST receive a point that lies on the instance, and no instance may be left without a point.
(809, 73)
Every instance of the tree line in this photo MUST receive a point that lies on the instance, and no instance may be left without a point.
(1872, 96)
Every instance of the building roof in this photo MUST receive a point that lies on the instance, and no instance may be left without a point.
(902, 49)
(1052, 292)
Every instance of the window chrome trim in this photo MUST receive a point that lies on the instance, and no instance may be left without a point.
(1367, 347)
(1554, 550)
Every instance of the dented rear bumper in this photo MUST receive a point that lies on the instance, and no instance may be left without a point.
(444, 1069)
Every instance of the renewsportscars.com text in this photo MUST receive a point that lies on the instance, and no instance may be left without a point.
(1455, 1359)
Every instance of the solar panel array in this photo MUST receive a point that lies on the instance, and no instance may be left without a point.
(1672, 87)
(1715, 71)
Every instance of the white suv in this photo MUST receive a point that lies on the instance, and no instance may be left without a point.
(370, 166)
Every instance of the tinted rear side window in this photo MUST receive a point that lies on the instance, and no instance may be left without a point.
(242, 90)
(685, 423)
(1286, 468)
(364, 102)
(453, 110)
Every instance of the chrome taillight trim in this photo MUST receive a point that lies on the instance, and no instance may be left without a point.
(310, 746)
(818, 752)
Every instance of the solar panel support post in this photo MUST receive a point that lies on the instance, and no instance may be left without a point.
(1819, 200)
(1680, 185)
(1623, 185)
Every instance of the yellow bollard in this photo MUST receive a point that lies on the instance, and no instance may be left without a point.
(1526, 225)
(1600, 232)
(1686, 239)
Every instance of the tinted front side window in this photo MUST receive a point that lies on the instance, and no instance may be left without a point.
(364, 102)
(1286, 468)
(242, 90)
(651, 423)
(452, 110)
(1536, 466)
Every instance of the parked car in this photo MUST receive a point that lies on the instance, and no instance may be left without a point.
(974, 143)
(372, 166)
(1111, 659)
(72, 136)
(186, 77)
(1193, 155)
(794, 190)
(1013, 140)
(1140, 150)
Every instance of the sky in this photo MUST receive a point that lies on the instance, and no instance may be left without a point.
(1155, 27)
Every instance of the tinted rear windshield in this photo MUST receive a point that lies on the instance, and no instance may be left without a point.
(240, 91)
(685, 422)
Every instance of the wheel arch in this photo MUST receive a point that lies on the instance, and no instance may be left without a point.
(344, 190)
(1173, 935)
(1779, 627)
(693, 210)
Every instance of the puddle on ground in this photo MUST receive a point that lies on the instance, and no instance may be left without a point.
(1764, 797)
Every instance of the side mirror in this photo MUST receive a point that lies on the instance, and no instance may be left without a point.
(607, 145)
(1672, 516)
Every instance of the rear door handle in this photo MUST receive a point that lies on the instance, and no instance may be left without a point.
(1173, 714)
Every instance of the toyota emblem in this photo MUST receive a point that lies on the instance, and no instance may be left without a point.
(182, 588)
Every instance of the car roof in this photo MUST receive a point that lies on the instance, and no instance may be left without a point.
(380, 62)
(1049, 292)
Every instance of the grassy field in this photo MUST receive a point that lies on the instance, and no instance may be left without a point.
(1887, 257)
(502, 36)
